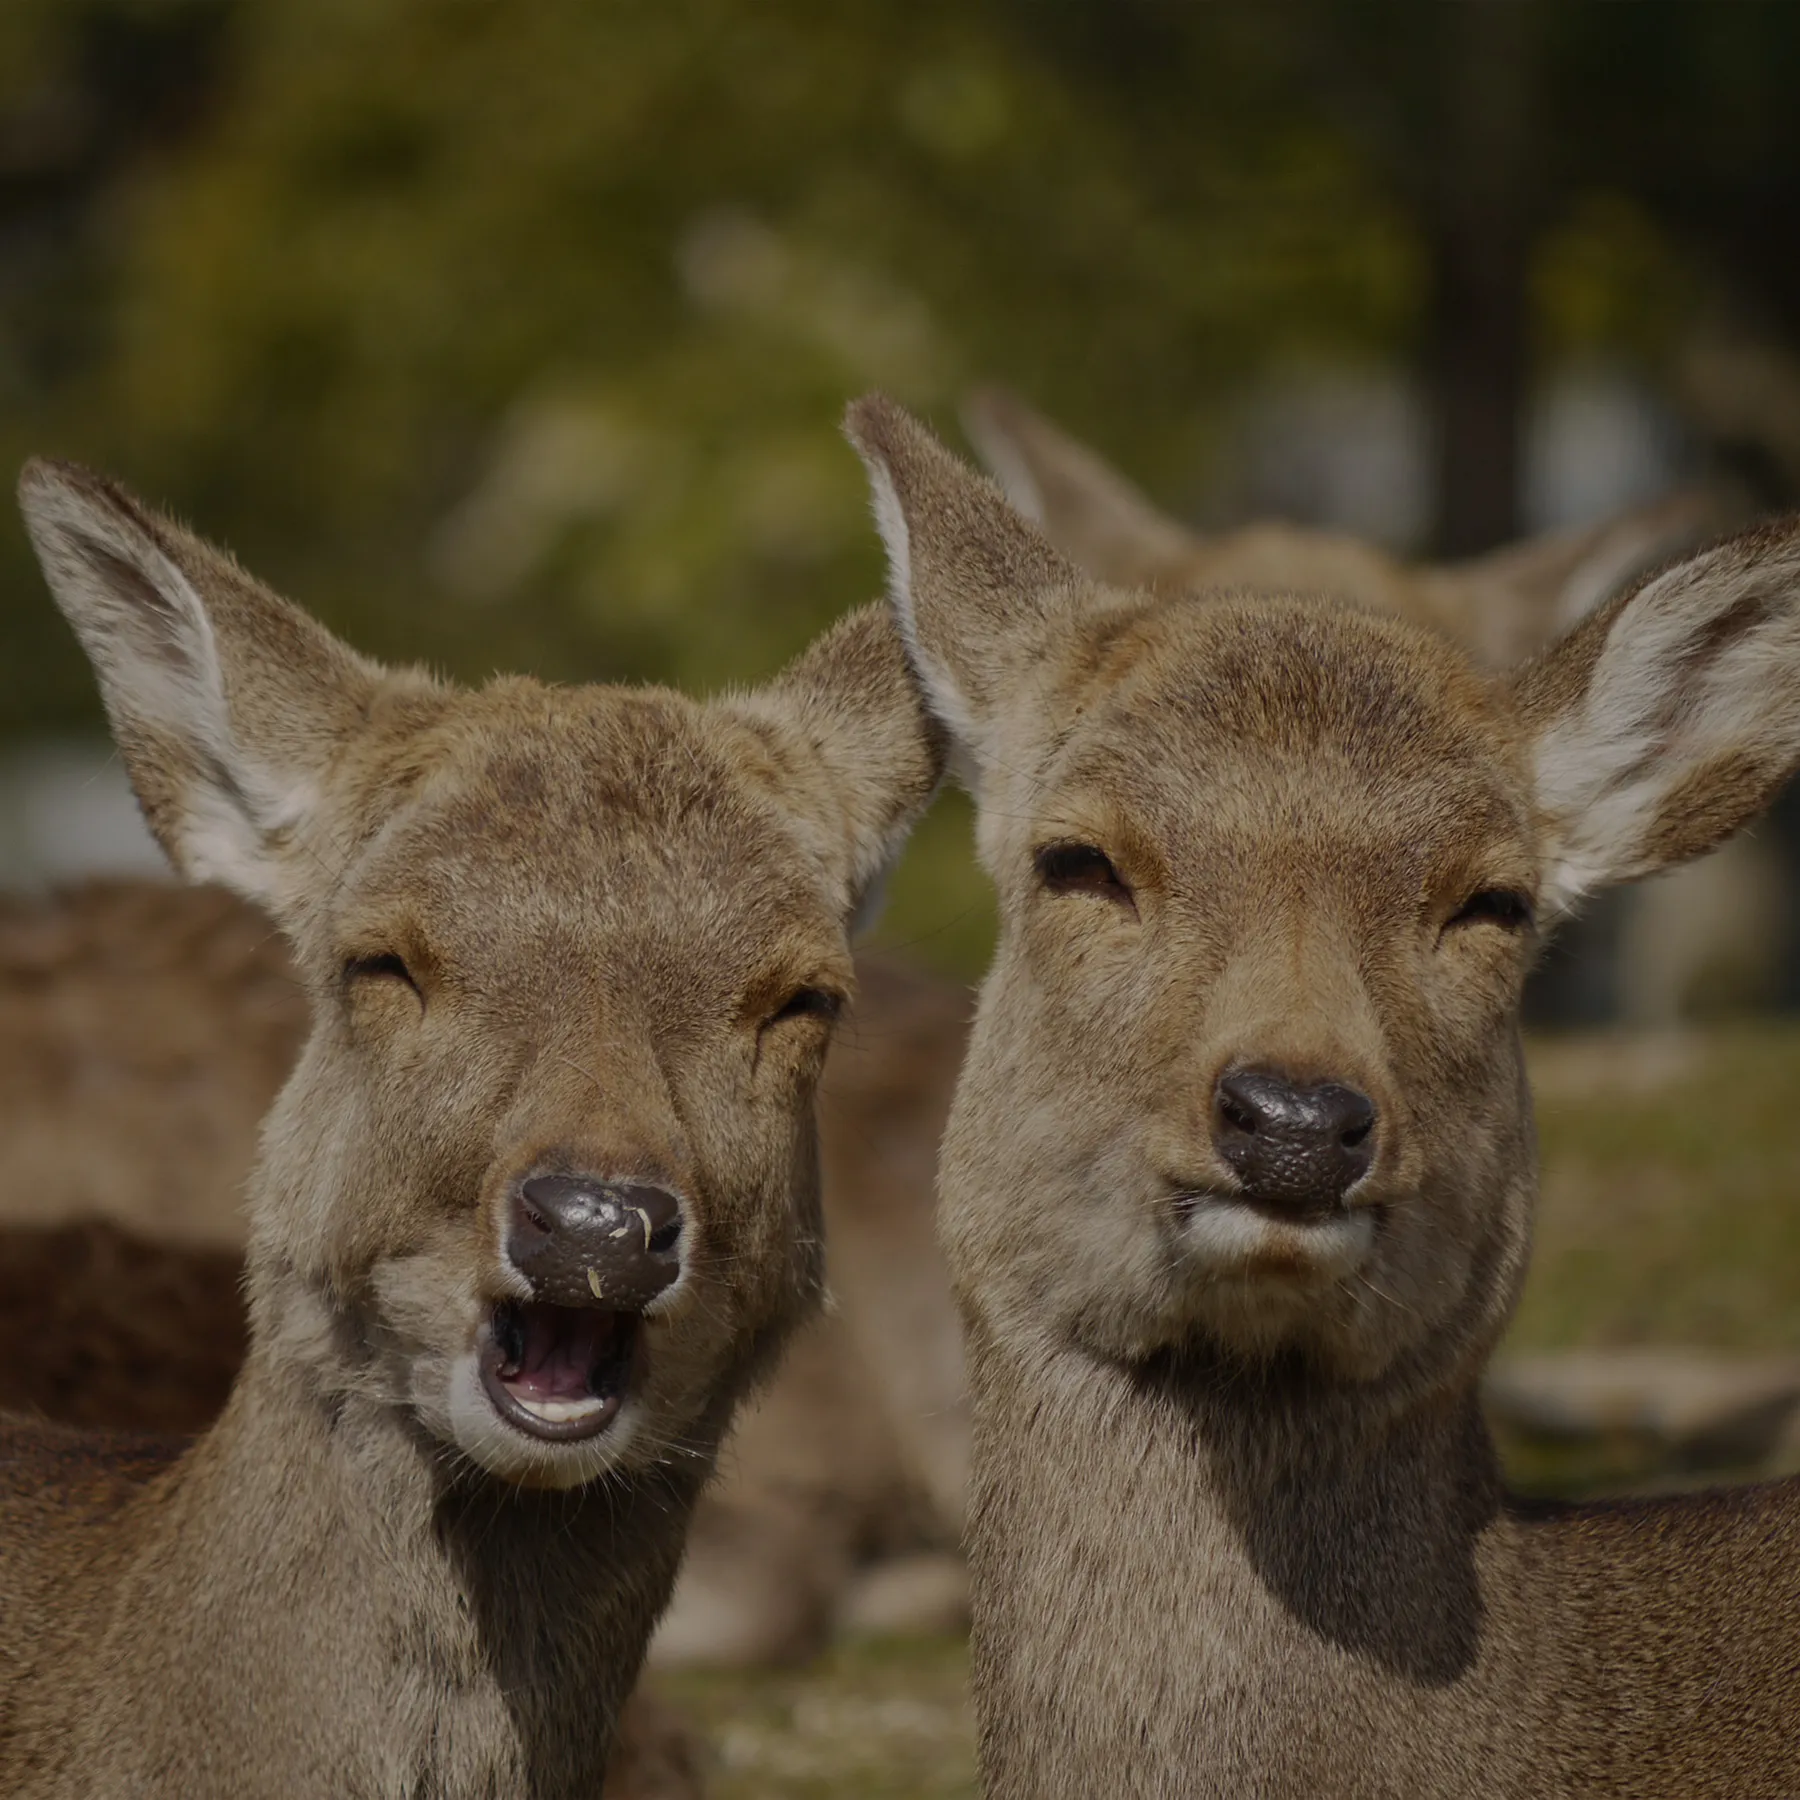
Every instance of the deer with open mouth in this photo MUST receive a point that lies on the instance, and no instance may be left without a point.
(537, 1207)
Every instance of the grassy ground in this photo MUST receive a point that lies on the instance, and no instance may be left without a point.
(1671, 1199)
(1670, 1215)
(879, 1721)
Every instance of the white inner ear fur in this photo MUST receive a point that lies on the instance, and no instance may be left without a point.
(161, 677)
(224, 835)
(1659, 708)
(946, 698)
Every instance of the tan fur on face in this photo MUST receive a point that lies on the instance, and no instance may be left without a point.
(1264, 935)
(1236, 1525)
(577, 1015)
(1502, 607)
(600, 901)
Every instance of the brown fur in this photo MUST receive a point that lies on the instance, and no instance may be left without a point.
(144, 1030)
(47, 1473)
(849, 1472)
(1236, 1524)
(361, 1579)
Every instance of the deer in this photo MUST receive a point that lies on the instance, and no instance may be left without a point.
(173, 1015)
(1503, 606)
(1237, 1187)
(108, 1330)
(145, 1029)
(537, 1207)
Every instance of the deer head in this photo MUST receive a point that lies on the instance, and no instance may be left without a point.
(542, 1189)
(1247, 1077)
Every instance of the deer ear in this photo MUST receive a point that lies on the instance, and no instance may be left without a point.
(979, 595)
(1669, 718)
(870, 752)
(226, 702)
(1086, 509)
(1511, 603)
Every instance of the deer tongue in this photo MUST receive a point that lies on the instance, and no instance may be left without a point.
(556, 1352)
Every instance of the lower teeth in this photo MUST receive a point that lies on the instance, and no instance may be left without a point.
(560, 1412)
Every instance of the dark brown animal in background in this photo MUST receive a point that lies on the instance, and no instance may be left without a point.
(1238, 1182)
(144, 1030)
(537, 1207)
(107, 1330)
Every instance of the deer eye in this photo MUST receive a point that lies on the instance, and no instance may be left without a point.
(1505, 907)
(382, 965)
(808, 1003)
(1082, 869)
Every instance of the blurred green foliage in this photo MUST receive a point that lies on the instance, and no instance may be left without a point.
(518, 333)
(512, 334)
(515, 332)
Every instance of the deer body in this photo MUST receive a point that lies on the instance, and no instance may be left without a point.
(1237, 1186)
(535, 1210)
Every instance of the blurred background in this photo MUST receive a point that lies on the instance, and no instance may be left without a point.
(516, 335)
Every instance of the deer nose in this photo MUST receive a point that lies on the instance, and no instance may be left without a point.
(1297, 1150)
(585, 1242)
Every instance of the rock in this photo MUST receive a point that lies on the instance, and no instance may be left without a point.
(1694, 1405)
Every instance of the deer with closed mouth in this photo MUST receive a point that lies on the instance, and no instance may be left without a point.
(537, 1207)
(1238, 1181)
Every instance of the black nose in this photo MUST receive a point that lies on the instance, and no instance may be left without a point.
(1296, 1149)
(584, 1242)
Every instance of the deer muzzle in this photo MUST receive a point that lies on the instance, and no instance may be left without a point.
(558, 1366)
(583, 1242)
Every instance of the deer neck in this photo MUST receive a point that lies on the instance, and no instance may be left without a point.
(1194, 1578)
(346, 1607)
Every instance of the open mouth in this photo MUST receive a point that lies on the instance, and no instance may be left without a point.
(558, 1373)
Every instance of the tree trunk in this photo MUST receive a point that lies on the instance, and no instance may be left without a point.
(1480, 223)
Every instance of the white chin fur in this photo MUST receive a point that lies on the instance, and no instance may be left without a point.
(1226, 1238)
(485, 1438)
